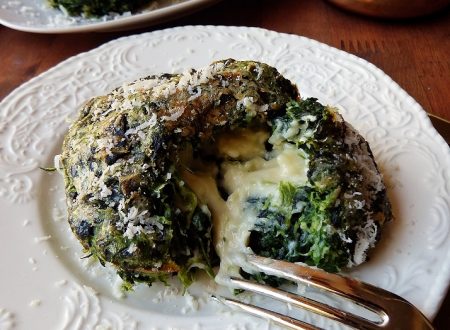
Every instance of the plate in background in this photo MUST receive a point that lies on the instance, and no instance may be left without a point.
(36, 16)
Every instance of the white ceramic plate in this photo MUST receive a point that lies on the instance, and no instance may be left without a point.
(37, 16)
(44, 284)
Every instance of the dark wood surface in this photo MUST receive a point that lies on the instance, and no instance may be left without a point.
(415, 52)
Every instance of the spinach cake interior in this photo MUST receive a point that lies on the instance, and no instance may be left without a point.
(178, 172)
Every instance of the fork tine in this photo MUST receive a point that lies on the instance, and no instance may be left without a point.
(394, 311)
(308, 304)
(361, 293)
(265, 313)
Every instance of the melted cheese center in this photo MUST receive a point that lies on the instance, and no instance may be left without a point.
(252, 172)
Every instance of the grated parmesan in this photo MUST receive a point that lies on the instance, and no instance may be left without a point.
(148, 124)
(175, 113)
(366, 239)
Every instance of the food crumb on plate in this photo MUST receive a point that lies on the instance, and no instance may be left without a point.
(35, 303)
(42, 238)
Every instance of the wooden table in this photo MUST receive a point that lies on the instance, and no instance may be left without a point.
(415, 53)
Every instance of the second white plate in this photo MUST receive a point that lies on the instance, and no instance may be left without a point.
(36, 16)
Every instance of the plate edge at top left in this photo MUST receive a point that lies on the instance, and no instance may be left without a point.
(135, 21)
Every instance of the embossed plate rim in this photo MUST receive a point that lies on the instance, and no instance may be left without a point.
(420, 136)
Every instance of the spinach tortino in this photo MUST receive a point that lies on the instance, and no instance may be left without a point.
(158, 180)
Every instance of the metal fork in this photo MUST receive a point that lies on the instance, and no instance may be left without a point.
(393, 311)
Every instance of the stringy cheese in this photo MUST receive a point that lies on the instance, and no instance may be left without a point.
(255, 176)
